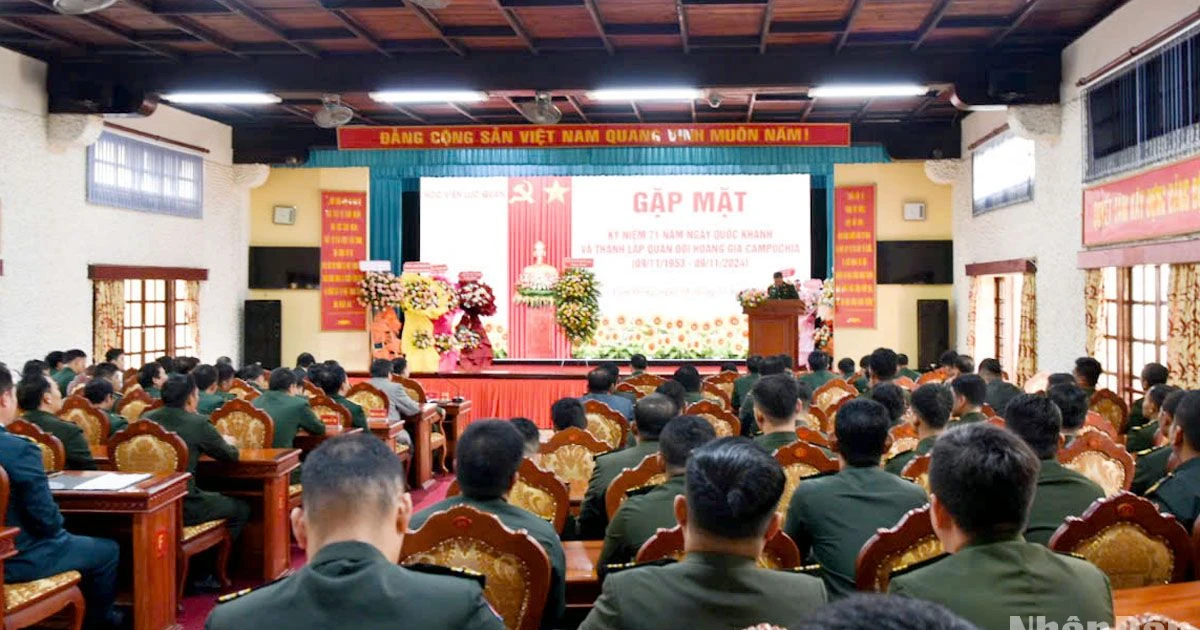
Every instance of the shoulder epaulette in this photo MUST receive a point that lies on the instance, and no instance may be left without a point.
(899, 453)
(1070, 554)
(1148, 451)
(640, 490)
(228, 597)
(1152, 489)
(437, 569)
(603, 455)
(917, 565)
(617, 568)
(808, 569)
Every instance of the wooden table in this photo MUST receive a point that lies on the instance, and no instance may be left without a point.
(308, 442)
(148, 516)
(583, 584)
(577, 490)
(1177, 601)
(455, 423)
(420, 427)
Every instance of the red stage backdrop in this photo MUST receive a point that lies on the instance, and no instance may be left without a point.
(343, 245)
(1162, 202)
(854, 257)
(539, 210)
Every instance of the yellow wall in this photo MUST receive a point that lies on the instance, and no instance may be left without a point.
(302, 307)
(896, 313)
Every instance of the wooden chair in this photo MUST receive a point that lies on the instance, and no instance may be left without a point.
(537, 491)
(816, 438)
(917, 471)
(31, 603)
(724, 382)
(987, 410)
(311, 390)
(329, 411)
(650, 472)
(905, 382)
(708, 391)
(135, 404)
(129, 373)
(1112, 407)
(375, 404)
(373, 401)
(800, 461)
(1095, 456)
(644, 384)
(243, 390)
(130, 384)
(515, 565)
(936, 376)
(54, 455)
(723, 422)
(829, 394)
(911, 541)
(1096, 423)
(816, 420)
(249, 426)
(606, 423)
(780, 551)
(81, 412)
(415, 390)
(904, 439)
(145, 447)
(1126, 537)
(571, 455)
(832, 411)
(626, 388)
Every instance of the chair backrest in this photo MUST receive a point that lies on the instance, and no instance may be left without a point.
(606, 423)
(708, 391)
(54, 456)
(1097, 422)
(904, 439)
(330, 411)
(912, 540)
(243, 390)
(936, 376)
(645, 383)
(372, 399)
(779, 552)
(905, 382)
(537, 491)
(917, 471)
(415, 390)
(723, 422)
(724, 382)
(832, 411)
(136, 403)
(1129, 540)
(515, 565)
(800, 460)
(815, 419)
(650, 472)
(571, 454)
(249, 426)
(987, 410)
(626, 388)
(1039, 382)
(81, 412)
(310, 389)
(130, 384)
(1108, 404)
(145, 447)
(1095, 456)
(830, 393)
(816, 438)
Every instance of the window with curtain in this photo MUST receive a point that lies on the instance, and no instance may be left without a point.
(998, 319)
(1135, 325)
(159, 320)
(129, 173)
(1002, 172)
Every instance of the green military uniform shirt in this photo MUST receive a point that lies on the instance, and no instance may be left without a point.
(1150, 467)
(116, 422)
(785, 291)
(640, 517)
(1179, 493)
(152, 392)
(352, 585)
(1061, 492)
(746, 416)
(692, 397)
(741, 387)
(212, 402)
(516, 518)
(64, 377)
(593, 517)
(290, 413)
(862, 385)
(706, 591)
(971, 416)
(993, 584)
(1137, 415)
(358, 417)
(79, 456)
(834, 515)
(814, 380)
(999, 394)
(201, 438)
(774, 441)
(908, 373)
(1142, 438)
(896, 464)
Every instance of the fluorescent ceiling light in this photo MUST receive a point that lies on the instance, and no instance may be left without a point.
(222, 98)
(866, 91)
(646, 94)
(428, 96)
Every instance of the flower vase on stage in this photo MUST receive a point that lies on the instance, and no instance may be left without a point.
(535, 293)
(445, 341)
(476, 300)
(423, 300)
(380, 292)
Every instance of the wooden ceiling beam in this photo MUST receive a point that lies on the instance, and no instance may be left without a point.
(266, 24)
(462, 110)
(578, 110)
(931, 22)
(191, 28)
(594, 13)
(750, 109)
(1017, 20)
(432, 24)
(113, 30)
(41, 33)
(514, 22)
(681, 15)
(360, 31)
(849, 24)
(764, 30)
(338, 5)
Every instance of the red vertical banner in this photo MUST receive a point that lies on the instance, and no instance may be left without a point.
(343, 245)
(854, 257)
(539, 237)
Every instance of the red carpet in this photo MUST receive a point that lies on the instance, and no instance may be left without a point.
(197, 607)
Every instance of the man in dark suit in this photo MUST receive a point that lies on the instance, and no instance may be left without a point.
(39, 398)
(780, 290)
(44, 548)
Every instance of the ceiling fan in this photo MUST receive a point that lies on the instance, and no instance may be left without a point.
(333, 113)
(542, 110)
(81, 7)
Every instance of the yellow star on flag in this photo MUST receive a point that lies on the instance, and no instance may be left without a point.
(556, 192)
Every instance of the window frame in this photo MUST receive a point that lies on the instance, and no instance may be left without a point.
(1015, 193)
(154, 176)
(1123, 374)
(173, 297)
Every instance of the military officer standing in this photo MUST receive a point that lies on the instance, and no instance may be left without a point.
(781, 290)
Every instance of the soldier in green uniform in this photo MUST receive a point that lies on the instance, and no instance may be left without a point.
(615, 373)
(1061, 492)
(1087, 373)
(931, 405)
(211, 397)
(151, 377)
(970, 392)
(1153, 374)
(352, 527)
(288, 409)
(1072, 404)
(780, 289)
(982, 479)
(1144, 436)
(999, 392)
(833, 515)
(99, 392)
(769, 366)
(1179, 492)
(819, 374)
(728, 511)
(893, 398)
(39, 398)
(863, 382)
(650, 508)
(689, 377)
(1152, 464)
(881, 368)
(846, 370)
(649, 417)
(255, 376)
(486, 460)
(744, 384)
(638, 365)
(777, 399)
(902, 369)
(332, 380)
(74, 362)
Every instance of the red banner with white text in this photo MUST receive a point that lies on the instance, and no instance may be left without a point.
(343, 245)
(854, 257)
(1162, 202)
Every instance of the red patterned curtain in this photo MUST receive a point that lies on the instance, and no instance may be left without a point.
(1183, 347)
(1027, 344)
(539, 210)
(108, 317)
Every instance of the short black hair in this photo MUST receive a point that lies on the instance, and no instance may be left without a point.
(205, 376)
(148, 373)
(933, 403)
(902, 359)
(176, 390)
(305, 359)
(772, 365)
(865, 362)
(674, 392)
(1171, 402)
(1061, 378)
(1155, 374)
(1072, 403)
(1159, 393)
(75, 353)
(689, 377)
(381, 368)
(329, 378)
(986, 477)
(55, 359)
(224, 359)
(729, 366)
(846, 365)
(105, 370)
(652, 413)
(818, 361)
(347, 474)
(185, 365)
(113, 354)
(1187, 418)
(877, 611)
(1090, 369)
(31, 390)
(34, 366)
(778, 275)
(301, 375)
(399, 364)
(991, 366)
(753, 363)
(1037, 420)
(600, 381)
(6, 379)
(804, 393)
(225, 372)
(250, 372)
(529, 431)
(862, 427)
(776, 395)
(97, 390)
(972, 387)
(638, 361)
(788, 363)
(612, 368)
(948, 358)
(681, 436)
(566, 413)
(883, 364)
(733, 487)
(893, 398)
(282, 379)
(167, 363)
(966, 365)
(486, 457)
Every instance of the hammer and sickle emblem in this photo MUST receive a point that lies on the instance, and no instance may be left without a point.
(523, 192)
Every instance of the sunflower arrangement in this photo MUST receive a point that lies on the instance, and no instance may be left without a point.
(379, 291)
(577, 305)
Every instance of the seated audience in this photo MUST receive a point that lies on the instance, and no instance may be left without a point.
(902, 368)
(99, 392)
(770, 366)
(883, 612)
(110, 372)
(615, 372)
(211, 396)
(1062, 378)
(833, 515)
(55, 361)
(819, 374)
(1087, 374)
(35, 366)
(729, 366)
(653, 507)
(600, 383)
(43, 547)
(638, 365)
(151, 377)
(39, 398)
(649, 417)
(728, 511)
(982, 480)
(225, 360)
(999, 392)
(331, 378)
(881, 367)
(352, 528)
(893, 398)
(744, 384)
(689, 377)
(74, 363)
(788, 364)
(863, 382)
(1060, 491)
(675, 392)
(1152, 464)
(486, 460)
(530, 433)
(225, 376)
(167, 363)
(966, 364)
(846, 370)
(1072, 404)
(400, 404)
(970, 393)
(948, 364)
(566, 413)
(305, 361)
(931, 405)
(1144, 436)
(1152, 374)
(116, 356)
(1179, 492)
(288, 409)
(185, 365)
(777, 400)
(255, 376)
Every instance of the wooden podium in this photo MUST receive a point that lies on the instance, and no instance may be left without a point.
(775, 328)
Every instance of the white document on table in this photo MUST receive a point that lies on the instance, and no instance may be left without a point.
(112, 481)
